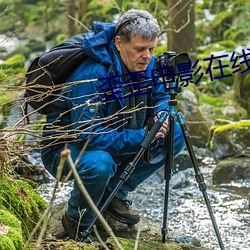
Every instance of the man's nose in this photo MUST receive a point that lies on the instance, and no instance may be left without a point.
(146, 54)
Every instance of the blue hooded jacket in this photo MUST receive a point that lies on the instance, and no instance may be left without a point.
(89, 119)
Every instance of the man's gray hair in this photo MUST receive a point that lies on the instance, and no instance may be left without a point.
(137, 22)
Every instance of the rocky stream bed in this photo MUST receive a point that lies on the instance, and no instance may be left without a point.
(188, 215)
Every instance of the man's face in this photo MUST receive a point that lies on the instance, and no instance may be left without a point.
(137, 53)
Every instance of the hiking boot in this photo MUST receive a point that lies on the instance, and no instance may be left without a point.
(121, 211)
(75, 231)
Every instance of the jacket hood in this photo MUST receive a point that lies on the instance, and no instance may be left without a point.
(98, 42)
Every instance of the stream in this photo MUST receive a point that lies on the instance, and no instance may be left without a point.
(187, 212)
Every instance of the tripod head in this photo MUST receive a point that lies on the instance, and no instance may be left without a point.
(169, 61)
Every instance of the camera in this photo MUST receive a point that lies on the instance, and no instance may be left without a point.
(170, 59)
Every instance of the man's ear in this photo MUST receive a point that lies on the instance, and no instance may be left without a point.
(118, 42)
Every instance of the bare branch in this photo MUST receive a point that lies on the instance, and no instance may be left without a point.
(66, 154)
(77, 21)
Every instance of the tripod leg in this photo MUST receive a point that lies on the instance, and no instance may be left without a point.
(129, 169)
(168, 173)
(199, 176)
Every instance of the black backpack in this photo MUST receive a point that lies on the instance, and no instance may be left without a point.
(47, 74)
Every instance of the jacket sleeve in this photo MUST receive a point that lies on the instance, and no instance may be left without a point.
(88, 116)
(160, 97)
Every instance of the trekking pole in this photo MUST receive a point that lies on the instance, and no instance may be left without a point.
(129, 168)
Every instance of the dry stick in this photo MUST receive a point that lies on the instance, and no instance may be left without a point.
(66, 154)
(99, 238)
(45, 217)
(137, 236)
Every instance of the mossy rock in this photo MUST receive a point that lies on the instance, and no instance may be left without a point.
(232, 139)
(219, 107)
(21, 199)
(128, 244)
(150, 235)
(11, 237)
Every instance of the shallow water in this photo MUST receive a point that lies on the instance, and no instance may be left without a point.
(187, 212)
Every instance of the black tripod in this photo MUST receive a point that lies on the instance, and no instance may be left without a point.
(169, 155)
(170, 163)
(168, 167)
(166, 62)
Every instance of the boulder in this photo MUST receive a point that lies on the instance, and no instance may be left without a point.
(150, 235)
(231, 139)
(231, 169)
(197, 125)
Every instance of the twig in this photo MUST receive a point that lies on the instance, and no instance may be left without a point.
(99, 238)
(77, 21)
(66, 154)
(45, 217)
(137, 236)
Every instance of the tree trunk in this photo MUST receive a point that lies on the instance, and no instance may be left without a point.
(181, 34)
(83, 7)
(72, 13)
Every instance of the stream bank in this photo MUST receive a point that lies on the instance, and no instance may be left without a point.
(188, 216)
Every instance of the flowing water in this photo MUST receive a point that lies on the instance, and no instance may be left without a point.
(187, 212)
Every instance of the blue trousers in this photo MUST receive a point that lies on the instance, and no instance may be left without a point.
(100, 170)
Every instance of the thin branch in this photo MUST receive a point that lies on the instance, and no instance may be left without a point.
(99, 238)
(77, 21)
(138, 236)
(66, 154)
(45, 217)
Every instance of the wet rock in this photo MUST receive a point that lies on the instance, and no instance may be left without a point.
(181, 179)
(197, 125)
(189, 96)
(231, 169)
(31, 167)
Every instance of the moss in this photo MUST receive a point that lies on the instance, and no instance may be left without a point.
(219, 102)
(212, 100)
(13, 239)
(239, 128)
(16, 61)
(128, 244)
(65, 245)
(6, 243)
(9, 219)
(234, 125)
(22, 200)
(222, 122)
(16, 237)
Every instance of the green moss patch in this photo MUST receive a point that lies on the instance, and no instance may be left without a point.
(128, 244)
(22, 200)
(10, 231)
(231, 138)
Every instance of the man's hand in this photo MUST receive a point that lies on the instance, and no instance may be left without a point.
(164, 128)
